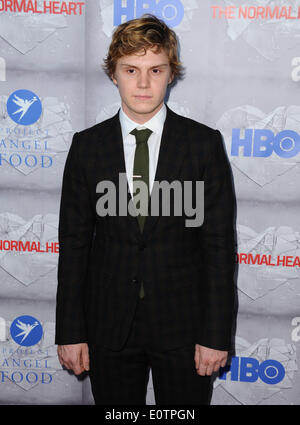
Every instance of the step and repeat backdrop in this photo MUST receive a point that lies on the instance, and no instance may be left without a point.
(242, 60)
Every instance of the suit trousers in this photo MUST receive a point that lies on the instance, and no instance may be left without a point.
(121, 377)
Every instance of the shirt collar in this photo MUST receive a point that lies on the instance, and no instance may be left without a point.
(155, 124)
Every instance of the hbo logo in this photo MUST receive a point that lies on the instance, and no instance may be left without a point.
(262, 143)
(170, 11)
(248, 369)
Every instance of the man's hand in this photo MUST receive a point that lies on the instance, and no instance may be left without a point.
(208, 360)
(74, 356)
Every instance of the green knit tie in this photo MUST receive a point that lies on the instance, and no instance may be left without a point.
(141, 171)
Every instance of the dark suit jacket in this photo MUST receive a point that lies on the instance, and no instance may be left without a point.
(187, 271)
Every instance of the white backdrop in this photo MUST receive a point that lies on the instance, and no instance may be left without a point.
(242, 62)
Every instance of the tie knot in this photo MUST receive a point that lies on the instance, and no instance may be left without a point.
(141, 136)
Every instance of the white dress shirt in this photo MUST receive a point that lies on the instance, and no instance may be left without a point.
(156, 124)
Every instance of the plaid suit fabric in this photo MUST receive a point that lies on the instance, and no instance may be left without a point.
(188, 272)
(121, 377)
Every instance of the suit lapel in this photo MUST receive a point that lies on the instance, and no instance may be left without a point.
(170, 158)
(171, 154)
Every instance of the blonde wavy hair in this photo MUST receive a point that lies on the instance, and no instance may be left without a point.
(146, 32)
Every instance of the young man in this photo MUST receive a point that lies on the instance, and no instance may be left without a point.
(141, 292)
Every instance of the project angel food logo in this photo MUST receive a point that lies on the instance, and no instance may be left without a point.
(28, 354)
(26, 331)
(32, 132)
(24, 107)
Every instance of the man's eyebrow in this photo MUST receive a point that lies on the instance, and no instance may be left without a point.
(155, 66)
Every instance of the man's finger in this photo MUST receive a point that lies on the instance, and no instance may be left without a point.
(197, 359)
(209, 370)
(202, 370)
(71, 364)
(223, 363)
(75, 366)
(77, 369)
(63, 362)
(216, 366)
(85, 359)
(66, 365)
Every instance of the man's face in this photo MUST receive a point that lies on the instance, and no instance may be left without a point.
(142, 81)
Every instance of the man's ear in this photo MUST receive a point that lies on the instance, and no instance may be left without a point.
(114, 80)
(171, 79)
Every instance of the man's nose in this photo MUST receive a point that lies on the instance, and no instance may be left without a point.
(143, 80)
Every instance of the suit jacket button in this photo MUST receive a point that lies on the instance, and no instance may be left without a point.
(134, 280)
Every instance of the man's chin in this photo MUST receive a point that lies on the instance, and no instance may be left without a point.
(143, 108)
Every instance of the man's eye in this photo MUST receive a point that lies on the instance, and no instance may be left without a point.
(129, 70)
(156, 69)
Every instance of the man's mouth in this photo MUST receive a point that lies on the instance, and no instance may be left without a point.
(142, 97)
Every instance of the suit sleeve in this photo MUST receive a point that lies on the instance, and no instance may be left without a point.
(218, 249)
(75, 234)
